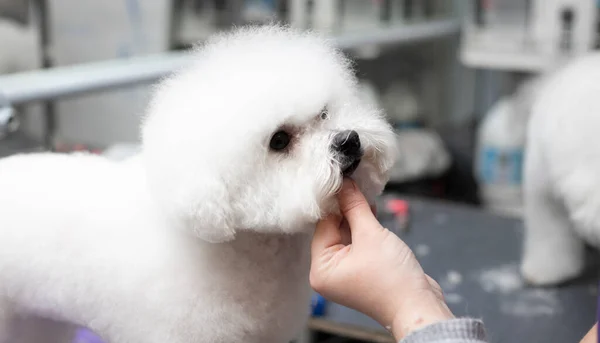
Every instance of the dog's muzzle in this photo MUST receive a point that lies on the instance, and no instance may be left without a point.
(346, 145)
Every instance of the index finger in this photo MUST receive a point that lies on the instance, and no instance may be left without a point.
(355, 208)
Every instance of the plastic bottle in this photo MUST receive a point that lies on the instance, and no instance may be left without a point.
(402, 105)
(499, 159)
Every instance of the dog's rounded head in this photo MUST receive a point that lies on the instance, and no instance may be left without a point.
(258, 133)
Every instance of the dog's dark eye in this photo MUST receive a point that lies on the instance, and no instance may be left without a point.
(280, 140)
(324, 114)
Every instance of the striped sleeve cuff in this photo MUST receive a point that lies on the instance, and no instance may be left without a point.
(462, 330)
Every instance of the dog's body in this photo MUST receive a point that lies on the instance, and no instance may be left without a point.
(204, 236)
(562, 174)
(109, 263)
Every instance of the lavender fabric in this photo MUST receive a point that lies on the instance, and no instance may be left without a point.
(86, 336)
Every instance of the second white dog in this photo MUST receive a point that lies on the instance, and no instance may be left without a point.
(562, 174)
(204, 236)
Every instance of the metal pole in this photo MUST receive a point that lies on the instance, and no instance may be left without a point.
(175, 23)
(61, 82)
(44, 29)
(8, 120)
(401, 34)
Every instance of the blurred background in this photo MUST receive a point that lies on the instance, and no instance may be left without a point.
(456, 78)
(452, 75)
(406, 53)
(435, 66)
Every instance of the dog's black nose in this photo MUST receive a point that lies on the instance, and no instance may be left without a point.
(347, 143)
(349, 151)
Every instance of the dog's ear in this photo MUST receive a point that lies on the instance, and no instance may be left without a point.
(213, 234)
(189, 197)
(211, 217)
(202, 209)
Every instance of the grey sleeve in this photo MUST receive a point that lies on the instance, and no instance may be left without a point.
(462, 330)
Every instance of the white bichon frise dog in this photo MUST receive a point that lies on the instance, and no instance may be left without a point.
(562, 174)
(204, 236)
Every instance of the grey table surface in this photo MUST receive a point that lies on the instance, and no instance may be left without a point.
(475, 256)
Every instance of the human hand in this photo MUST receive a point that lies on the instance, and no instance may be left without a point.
(591, 336)
(372, 271)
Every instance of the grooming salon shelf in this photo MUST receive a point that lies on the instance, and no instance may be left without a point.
(40, 85)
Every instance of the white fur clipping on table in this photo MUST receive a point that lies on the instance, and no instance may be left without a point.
(122, 151)
(421, 154)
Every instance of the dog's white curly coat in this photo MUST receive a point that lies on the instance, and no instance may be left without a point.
(562, 173)
(204, 236)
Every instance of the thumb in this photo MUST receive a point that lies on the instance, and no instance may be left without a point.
(327, 234)
(356, 209)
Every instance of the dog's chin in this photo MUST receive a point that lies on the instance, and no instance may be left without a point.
(361, 173)
(370, 179)
(302, 216)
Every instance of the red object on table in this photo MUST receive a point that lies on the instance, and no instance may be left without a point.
(397, 206)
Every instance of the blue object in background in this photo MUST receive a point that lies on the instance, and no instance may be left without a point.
(502, 166)
(86, 336)
(318, 305)
(269, 3)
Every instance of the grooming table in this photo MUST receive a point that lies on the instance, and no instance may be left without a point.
(475, 256)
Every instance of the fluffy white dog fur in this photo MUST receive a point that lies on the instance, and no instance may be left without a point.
(202, 237)
(562, 174)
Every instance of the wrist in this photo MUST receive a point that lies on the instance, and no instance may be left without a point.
(415, 314)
